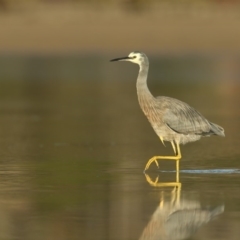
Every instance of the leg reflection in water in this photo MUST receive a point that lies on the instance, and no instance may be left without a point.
(176, 217)
(156, 183)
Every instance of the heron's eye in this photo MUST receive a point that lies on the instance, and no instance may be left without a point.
(134, 57)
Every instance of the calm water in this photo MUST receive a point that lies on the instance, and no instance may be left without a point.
(73, 152)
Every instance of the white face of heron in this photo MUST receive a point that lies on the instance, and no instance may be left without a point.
(137, 57)
(134, 57)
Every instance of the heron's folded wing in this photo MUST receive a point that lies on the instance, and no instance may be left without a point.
(182, 118)
(184, 223)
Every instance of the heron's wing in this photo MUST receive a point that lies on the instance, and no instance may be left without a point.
(182, 118)
(184, 223)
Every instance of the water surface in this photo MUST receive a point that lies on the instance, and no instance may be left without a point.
(73, 153)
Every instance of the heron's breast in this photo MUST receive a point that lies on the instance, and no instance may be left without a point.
(149, 110)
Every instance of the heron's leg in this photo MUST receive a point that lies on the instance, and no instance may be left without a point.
(176, 157)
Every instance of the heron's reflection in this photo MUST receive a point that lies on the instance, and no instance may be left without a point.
(177, 217)
(157, 183)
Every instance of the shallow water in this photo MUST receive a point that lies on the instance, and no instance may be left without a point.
(73, 154)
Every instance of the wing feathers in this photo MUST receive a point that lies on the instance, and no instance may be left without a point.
(182, 118)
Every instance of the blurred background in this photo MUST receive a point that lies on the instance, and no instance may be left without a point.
(73, 140)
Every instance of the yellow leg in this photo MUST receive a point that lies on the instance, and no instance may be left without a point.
(176, 158)
(176, 195)
(177, 170)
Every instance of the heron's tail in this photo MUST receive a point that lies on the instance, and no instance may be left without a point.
(217, 130)
(216, 211)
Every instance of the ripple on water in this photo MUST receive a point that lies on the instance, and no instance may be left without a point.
(209, 171)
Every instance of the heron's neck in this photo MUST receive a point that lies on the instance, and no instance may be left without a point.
(142, 88)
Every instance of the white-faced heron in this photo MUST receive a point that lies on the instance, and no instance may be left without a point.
(178, 219)
(172, 120)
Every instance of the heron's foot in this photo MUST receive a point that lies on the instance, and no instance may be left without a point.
(156, 158)
(156, 163)
(150, 161)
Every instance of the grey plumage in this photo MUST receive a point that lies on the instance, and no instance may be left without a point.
(176, 120)
(178, 220)
(184, 223)
(171, 119)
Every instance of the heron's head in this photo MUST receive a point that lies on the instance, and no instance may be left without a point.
(134, 57)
